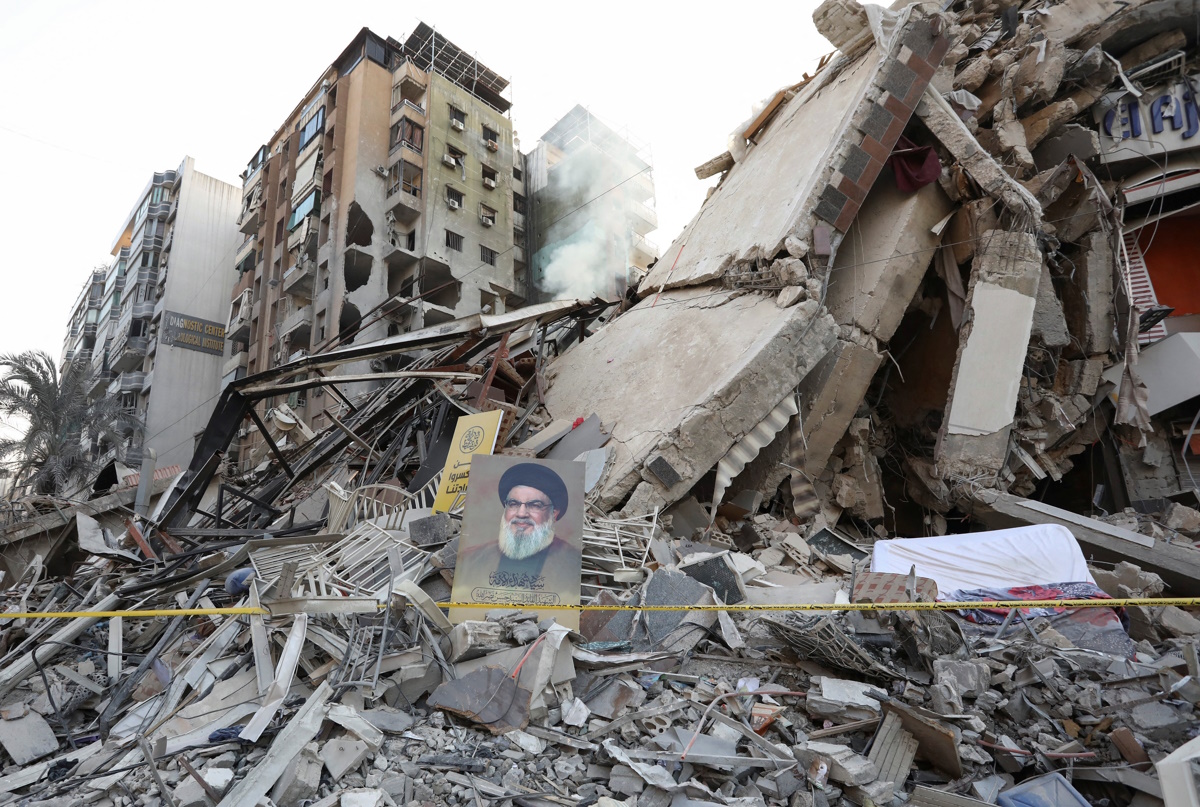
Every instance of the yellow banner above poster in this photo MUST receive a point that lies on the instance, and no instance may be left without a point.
(473, 434)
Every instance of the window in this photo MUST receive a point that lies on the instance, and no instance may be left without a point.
(409, 134)
(459, 157)
(457, 114)
(404, 176)
(487, 255)
(278, 231)
(518, 236)
(490, 134)
(454, 241)
(518, 175)
(518, 204)
(489, 177)
(327, 183)
(314, 126)
(454, 197)
(487, 215)
(309, 205)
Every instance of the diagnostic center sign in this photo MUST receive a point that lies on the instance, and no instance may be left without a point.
(202, 335)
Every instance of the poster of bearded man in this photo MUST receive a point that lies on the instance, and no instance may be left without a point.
(521, 544)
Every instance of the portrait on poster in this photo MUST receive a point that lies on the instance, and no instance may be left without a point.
(521, 544)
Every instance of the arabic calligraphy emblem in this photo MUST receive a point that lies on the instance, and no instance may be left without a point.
(471, 440)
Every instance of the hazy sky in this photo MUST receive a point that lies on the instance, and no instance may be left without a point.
(101, 95)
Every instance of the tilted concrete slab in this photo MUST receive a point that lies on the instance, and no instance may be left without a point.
(815, 162)
(680, 381)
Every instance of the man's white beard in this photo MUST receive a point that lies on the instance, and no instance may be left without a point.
(519, 547)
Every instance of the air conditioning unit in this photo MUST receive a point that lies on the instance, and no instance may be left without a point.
(453, 204)
(488, 182)
(492, 145)
(456, 125)
(486, 221)
(449, 160)
(243, 433)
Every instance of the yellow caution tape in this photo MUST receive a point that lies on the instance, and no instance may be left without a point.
(152, 612)
(847, 606)
(827, 606)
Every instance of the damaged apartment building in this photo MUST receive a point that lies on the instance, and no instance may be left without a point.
(591, 190)
(887, 470)
(383, 204)
(151, 323)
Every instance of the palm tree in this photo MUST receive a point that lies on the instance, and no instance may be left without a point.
(53, 408)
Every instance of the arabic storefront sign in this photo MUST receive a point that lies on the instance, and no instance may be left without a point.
(473, 434)
(202, 335)
(1163, 119)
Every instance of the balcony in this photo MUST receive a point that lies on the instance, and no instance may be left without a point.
(404, 200)
(643, 251)
(152, 346)
(300, 236)
(519, 253)
(247, 246)
(144, 309)
(100, 382)
(645, 220)
(236, 362)
(128, 352)
(238, 327)
(251, 216)
(519, 220)
(158, 309)
(127, 382)
(147, 381)
(295, 320)
(298, 280)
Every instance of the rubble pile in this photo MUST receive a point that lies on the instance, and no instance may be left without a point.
(908, 308)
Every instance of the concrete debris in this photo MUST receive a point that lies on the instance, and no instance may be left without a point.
(915, 303)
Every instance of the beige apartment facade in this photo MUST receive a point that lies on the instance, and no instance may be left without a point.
(383, 204)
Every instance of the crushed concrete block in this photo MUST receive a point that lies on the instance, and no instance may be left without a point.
(430, 530)
(27, 738)
(362, 797)
(300, 779)
(623, 780)
(1182, 518)
(970, 678)
(790, 295)
(1154, 719)
(191, 793)
(945, 699)
(842, 701)
(879, 792)
(474, 639)
(343, 754)
(845, 766)
(1178, 622)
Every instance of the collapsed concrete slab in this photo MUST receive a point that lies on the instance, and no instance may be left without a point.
(681, 379)
(816, 160)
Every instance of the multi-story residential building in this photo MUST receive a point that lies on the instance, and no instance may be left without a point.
(592, 197)
(383, 203)
(152, 322)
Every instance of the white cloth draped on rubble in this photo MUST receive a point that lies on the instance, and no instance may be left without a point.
(1024, 556)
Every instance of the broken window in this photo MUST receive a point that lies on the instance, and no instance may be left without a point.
(456, 156)
(518, 204)
(278, 231)
(518, 236)
(487, 255)
(408, 133)
(489, 177)
(454, 241)
(487, 216)
(518, 175)
(404, 176)
(308, 205)
(454, 197)
(310, 129)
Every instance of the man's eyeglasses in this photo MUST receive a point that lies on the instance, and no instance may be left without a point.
(533, 507)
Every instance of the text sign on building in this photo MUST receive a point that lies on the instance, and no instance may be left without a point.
(203, 335)
(1164, 119)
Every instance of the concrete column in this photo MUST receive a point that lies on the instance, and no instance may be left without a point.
(993, 341)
